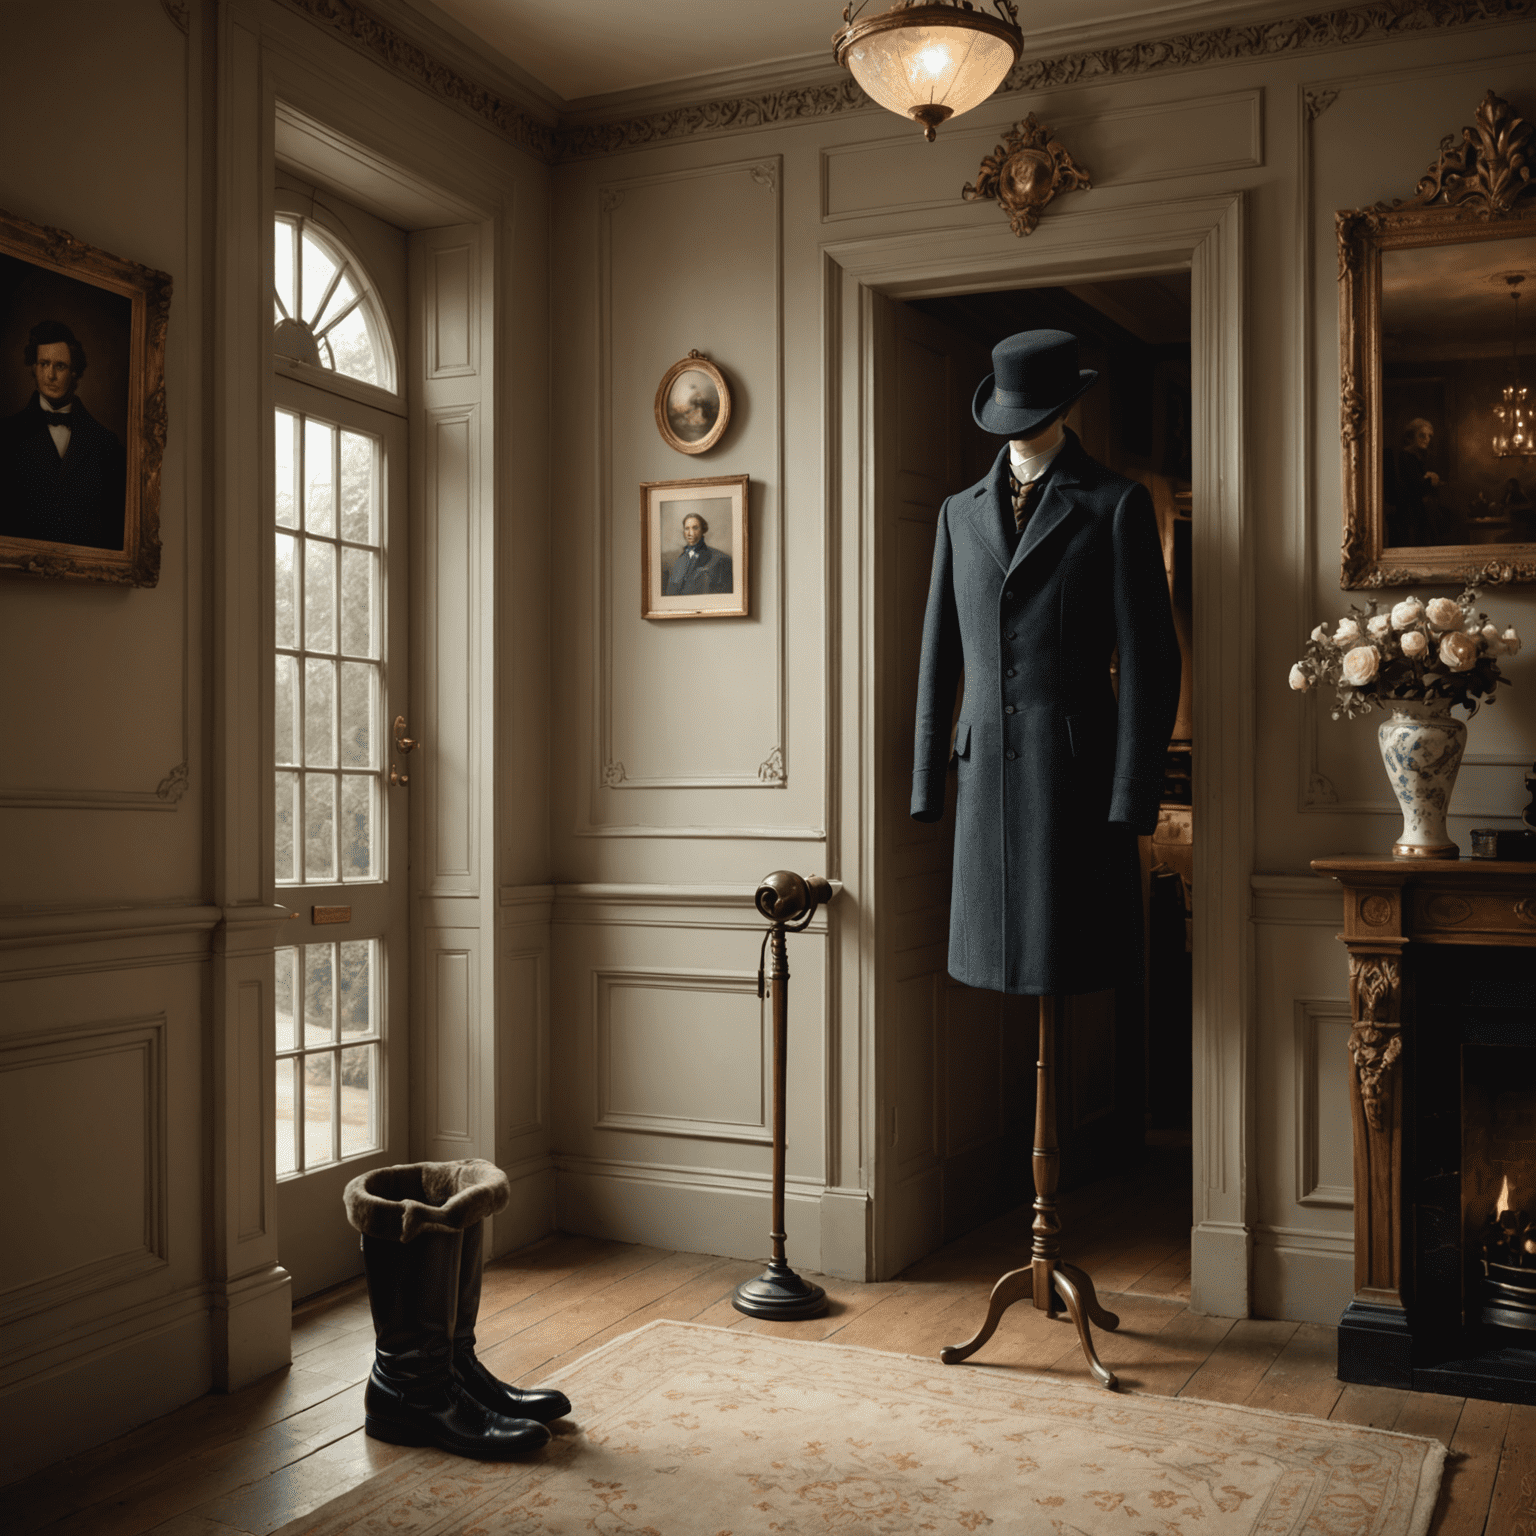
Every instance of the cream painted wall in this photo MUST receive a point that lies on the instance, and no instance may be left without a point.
(137, 903)
(758, 306)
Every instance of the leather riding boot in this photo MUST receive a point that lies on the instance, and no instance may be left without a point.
(413, 1397)
(542, 1404)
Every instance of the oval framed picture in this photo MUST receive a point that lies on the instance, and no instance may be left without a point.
(693, 405)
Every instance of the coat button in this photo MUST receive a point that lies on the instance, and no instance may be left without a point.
(1008, 709)
(1009, 636)
(1010, 754)
(1010, 673)
(1007, 597)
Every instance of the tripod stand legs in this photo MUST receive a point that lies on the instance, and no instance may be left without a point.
(1050, 1284)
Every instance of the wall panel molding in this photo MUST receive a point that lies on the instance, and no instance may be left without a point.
(608, 981)
(141, 1041)
(1310, 1013)
(614, 764)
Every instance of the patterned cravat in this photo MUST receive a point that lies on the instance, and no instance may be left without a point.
(1024, 498)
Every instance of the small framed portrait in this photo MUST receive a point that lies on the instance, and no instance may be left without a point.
(693, 548)
(82, 408)
(693, 405)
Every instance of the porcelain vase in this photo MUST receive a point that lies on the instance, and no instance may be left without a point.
(1421, 746)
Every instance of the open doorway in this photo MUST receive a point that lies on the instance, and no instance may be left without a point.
(961, 1093)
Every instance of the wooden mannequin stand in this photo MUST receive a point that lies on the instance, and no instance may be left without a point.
(1047, 1280)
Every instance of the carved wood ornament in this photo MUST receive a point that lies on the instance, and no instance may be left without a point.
(1025, 174)
(1374, 1044)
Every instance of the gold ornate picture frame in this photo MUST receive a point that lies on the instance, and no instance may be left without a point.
(1437, 484)
(693, 405)
(80, 448)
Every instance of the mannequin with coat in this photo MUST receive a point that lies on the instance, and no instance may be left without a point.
(1056, 775)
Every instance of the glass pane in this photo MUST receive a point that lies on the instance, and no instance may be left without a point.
(358, 712)
(319, 994)
(355, 987)
(317, 1110)
(319, 827)
(357, 1074)
(285, 826)
(319, 713)
(287, 470)
(318, 269)
(286, 711)
(287, 995)
(359, 598)
(358, 458)
(352, 348)
(287, 590)
(319, 596)
(343, 294)
(319, 478)
(282, 263)
(357, 819)
(285, 1128)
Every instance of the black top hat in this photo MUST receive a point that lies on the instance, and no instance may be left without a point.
(1034, 377)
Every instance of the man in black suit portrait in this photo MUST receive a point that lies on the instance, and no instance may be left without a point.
(63, 475)
(698, 569)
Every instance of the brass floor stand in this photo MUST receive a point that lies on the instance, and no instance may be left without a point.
(1052, 1285)
(789, 903)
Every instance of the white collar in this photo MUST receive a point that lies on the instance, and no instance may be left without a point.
(1034, 465)
(55, 410)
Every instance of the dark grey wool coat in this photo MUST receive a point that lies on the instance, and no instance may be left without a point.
(1056, 779)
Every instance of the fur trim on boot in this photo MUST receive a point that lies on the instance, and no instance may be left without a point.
(399, 1202)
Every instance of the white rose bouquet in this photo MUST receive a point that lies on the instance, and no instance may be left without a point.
(1442, 649)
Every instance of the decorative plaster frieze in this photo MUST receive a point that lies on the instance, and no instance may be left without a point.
(1336, 28)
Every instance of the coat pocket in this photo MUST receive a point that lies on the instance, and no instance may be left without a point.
(962, 747)
(1086, 734)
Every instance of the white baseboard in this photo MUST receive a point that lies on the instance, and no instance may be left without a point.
(695, 1210)
(1220, 1258)
(1302, 1276)
(104, 1395)
(530, 1214)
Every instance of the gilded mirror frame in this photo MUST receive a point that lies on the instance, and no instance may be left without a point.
(1479, 190)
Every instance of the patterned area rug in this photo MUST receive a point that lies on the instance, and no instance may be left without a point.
(684, 1430)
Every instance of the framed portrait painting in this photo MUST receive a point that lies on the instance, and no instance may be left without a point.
(693, 548)
(82, 408)
(1437, 292)
(693, 405)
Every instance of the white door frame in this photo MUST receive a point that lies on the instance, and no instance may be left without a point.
(1205, 235)
(267, 56)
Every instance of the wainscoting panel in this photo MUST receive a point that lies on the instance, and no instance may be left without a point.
(661, 1070)
(682, 1053)
(82, 1140)
(1324, 1153)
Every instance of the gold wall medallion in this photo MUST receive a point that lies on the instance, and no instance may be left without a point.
(1025, 173)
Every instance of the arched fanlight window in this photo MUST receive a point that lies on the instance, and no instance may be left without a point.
(324, 309)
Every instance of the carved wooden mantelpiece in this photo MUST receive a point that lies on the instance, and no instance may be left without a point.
(1393, 910)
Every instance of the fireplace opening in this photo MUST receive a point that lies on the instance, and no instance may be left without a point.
(1498, 1185)
(1470, 1151)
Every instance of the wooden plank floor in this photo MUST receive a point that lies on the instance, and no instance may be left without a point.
(250, 1462)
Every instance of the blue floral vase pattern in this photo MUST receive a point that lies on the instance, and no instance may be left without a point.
(1421, 746)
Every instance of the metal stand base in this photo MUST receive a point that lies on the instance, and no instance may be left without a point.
(779, 1295)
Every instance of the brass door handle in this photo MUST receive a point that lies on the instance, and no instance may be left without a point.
(403, 743)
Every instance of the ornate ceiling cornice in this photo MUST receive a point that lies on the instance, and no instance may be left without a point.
(1368, 22)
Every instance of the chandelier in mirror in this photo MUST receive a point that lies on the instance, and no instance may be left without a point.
(1515, 435)
(929, 60)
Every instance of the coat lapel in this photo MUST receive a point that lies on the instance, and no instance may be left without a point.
(1056, 503)
(991, 512)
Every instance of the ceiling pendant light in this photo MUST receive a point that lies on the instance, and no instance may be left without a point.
(929, 59)
(1515, 435)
